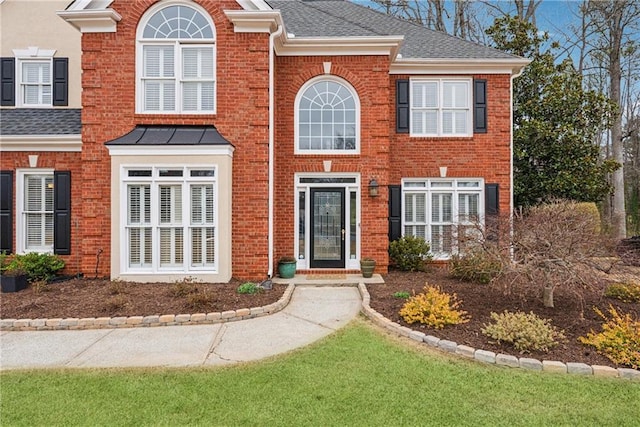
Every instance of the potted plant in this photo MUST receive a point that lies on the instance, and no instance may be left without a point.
(13, 277)
(367, 266)
(287, 267)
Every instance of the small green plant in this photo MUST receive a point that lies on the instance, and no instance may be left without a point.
(434, 308)
(475, 266)
(37, 266)
(626, 292)
(410, 253)
(619, 339)
(402, 295)
(248, 288)
(526, 332)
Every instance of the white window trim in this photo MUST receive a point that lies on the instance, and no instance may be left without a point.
(304, 264)
(440, 81)
(32, 54)
(455, 190)
(155, 181)
(21, 240)
(141, 42)
(296, 118)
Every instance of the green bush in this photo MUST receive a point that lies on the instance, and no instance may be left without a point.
(248, 288)
(526, 332)
(475, 266)
(626, 292)
(37, 266)
(434, 308)
(402, 295)
(410, 253)
(619, 339)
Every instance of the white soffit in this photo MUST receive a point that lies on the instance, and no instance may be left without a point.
(458, 66)
(41, 143)
(91, 16)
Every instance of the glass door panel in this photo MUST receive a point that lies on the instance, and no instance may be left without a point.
(327, 228)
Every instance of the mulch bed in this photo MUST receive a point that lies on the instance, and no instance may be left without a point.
(480, 300)
(103, 298)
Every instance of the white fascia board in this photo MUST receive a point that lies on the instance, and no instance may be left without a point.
(249, 21)
(170, 150)
(41, 143)
(338, 46)
(458, 66)
(92, 21)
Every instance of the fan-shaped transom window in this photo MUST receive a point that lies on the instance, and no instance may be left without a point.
(328, 117)
(176, 61)
(178, 22)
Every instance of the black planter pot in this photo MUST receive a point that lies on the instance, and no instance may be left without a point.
(13, 283)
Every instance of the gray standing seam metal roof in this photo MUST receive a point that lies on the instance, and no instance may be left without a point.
(171, 135)
(40, 121)
(341, 18)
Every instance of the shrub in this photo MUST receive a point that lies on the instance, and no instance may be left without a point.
(619, 339)
(199, 300)
(626, 292)
(39, 266)
(434, 308)
(525, 332)
(475, 266)
(248, 288)
(410, 253)
(401, 295)
(182, 288)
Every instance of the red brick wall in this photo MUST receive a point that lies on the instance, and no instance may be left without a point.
(63, 161)
(369, 77)
(484, 155)
(108, 97)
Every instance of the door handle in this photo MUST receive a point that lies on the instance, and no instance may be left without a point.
(343, 232)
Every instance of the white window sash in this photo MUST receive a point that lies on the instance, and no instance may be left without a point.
(444, 107)
(36, 92)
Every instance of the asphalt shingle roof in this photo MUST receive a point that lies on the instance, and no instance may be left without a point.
(40, 121)
(341, 18)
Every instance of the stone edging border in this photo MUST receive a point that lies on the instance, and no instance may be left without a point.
(146, 321)
(489, 356)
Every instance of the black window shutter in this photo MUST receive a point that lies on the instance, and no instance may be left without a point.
(62, 213)
(402, 106)
(480, 106)
(491, 199)
(395, 212)
(6, 211)
(60, 81)
(7, 82)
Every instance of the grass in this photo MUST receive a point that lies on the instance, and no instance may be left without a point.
(356, 377)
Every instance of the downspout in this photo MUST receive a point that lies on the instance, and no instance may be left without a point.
(511, 204)
(272, 38)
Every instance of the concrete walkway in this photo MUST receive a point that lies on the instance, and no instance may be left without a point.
(313, 313)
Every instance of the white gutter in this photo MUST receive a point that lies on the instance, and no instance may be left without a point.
(517, 73)
(272, 53)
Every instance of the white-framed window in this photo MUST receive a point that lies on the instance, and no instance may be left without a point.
(170, 218)
(439, 209)
(35, 83)
(327, 117)
(441, 107)
(35, 220)
(176, 60)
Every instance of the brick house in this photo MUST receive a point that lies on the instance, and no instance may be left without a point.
(221, 135)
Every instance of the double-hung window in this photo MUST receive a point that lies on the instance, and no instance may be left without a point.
(441, 211)
(441, 107)
(170, 219)
(176, 61)
(35, 83)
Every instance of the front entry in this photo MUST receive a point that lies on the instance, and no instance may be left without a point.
(327, 228)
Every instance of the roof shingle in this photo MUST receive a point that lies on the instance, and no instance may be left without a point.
(40, 121)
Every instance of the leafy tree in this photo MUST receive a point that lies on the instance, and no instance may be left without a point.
(556, 122)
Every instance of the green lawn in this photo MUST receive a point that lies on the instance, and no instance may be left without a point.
(357, 376)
